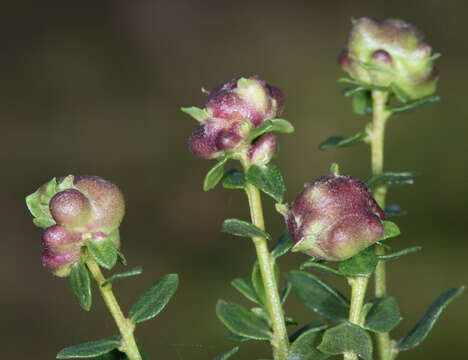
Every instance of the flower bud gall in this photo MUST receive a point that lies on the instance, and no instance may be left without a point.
(234, 109)
(263, 149)
(71, 209)
(390, 53)
(334, 218)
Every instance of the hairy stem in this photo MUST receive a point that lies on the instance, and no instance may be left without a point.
(379, 119)
(358, 293)
(280, 341)
(126, 326)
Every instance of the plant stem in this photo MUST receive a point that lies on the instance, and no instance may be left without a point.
(358, 293)
(125, 325)
(280, 341)
(379, 119)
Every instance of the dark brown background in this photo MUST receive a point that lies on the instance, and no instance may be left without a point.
(95, 88)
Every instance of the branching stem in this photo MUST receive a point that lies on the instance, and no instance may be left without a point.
(126, 326)
(280, 341)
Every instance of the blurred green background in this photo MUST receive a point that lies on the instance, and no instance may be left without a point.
(95, 87)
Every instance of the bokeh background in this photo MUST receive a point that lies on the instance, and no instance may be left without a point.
(95, 87)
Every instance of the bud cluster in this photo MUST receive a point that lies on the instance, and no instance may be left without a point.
(231, 112)
(390, 53)
(73, 210)
(334, 218)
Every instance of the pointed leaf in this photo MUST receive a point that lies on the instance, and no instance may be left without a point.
(121, 258)
(90, 349)
(391, 179)
(242, 322)
(283, 245)
(339, 141)
(155, 299)
(103, 251)
(399, 254)
(197, 113)
(234, 337)
(425, 325)
(243, 228)
(345, 338)
(268, 179)
(383, 315)
(360, 265)
(44, 222)
(285, 292)
(414, 105)
(234, 179)
(137, 270)
(318, 296)
(272, 125)
(80, 284)
(390, 230)
(304, 345)
(227, 354)
(245, 287)
(216, 173)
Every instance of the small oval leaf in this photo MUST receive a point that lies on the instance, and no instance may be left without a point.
(360, 265)
(318, 296)
(234, 179)
(90, 349)
(81, 284)
(305, 343)
(245, 287)
(345, 338)
(267, 179)
(272, 125)
(216, 173)
(390, 230)
(283, 245)
(103, 251)
(243, 228)
(383, 315)
(242, 322)
(399, 254)
(154, 300)
(391, 179)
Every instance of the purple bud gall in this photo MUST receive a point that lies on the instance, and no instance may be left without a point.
(263, 149)
(334, 218)
(71, 209)
(234, 109)
(391, 52)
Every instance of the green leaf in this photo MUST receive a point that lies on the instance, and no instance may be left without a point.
(339, 141)
(391, 179)
(66, 183)
(43, 222)
(394, 210)
(272, 125)
(268, 179)
(414, 105)
(257, 281)
(312, 263)
(243, 228)
(132, 272)
(242, 322)
(285, 292)
(103, 251)
(197, 113)
(425, 325)
(245, 287)
(383, 315)
(316, 324)
(362, 103)
(347, 337)
(390, 230)
(283, 245)
(399, 254)
(80, 284)
(318, 296)
(154, 299)
(360, 265)
(216, 173)
(399, 93)
(227, 354)
(304, 345)
(113, 355)
(121, 258)
(234, 179)
(90, 349)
